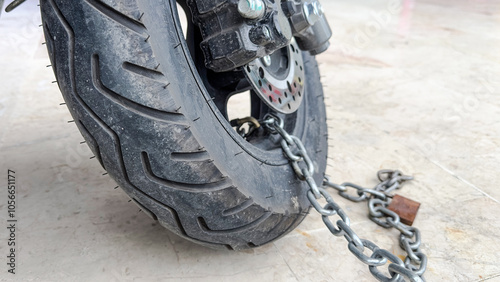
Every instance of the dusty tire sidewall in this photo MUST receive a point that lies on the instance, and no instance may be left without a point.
(264, 176)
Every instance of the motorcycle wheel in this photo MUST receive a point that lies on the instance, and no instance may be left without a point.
(147, 107)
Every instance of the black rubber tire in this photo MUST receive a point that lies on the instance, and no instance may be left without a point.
(127, 78)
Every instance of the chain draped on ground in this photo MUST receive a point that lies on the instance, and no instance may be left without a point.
(379, 197)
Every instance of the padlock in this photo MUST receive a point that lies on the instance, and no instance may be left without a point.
(406, 209)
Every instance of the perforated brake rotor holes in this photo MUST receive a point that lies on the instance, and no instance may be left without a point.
(284, 94)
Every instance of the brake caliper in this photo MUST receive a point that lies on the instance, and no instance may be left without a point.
(237, 32)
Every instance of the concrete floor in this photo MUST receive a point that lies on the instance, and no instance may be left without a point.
(414, 87)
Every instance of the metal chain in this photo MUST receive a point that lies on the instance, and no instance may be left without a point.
(415, 263)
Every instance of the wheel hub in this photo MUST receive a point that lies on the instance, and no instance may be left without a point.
(278, 79)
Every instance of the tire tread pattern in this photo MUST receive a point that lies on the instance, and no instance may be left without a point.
(107, 141)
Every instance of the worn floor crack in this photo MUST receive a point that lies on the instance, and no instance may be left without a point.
(489, 277)
(464, 181)
(279, 252)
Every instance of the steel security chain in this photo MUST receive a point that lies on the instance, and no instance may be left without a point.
(415, 263)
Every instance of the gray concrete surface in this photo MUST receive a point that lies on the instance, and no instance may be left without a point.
(415, 87)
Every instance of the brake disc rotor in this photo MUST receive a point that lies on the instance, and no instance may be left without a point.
(279, 78)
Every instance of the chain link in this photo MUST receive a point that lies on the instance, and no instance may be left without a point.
(379, 197)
